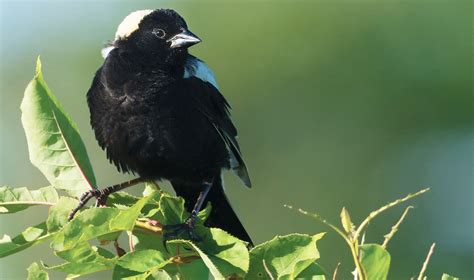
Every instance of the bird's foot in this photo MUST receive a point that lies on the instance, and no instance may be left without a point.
(174, 231)
(99, 195)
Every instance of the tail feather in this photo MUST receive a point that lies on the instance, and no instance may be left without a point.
(222, 215)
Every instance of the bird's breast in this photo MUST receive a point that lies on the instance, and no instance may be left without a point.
(158, 134)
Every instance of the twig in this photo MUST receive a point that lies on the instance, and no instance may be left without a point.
(394, 229)
(184, 259)
(362, 239)
(322, 220)
(385, 207)
(427, 260)
(353, 238)
(145, 225)
(334, 275)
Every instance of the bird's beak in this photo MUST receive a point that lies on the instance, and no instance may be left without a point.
(183, 39)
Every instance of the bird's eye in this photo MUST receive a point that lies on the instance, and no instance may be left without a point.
(158, 32)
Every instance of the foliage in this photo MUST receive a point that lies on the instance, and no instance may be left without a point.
(57, 150)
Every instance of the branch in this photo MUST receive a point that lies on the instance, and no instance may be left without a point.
(386, 207)
(427, 260)
(394, 229)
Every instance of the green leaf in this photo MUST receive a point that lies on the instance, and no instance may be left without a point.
(223, 254)
(143, 241)
(346, 221)
(78, 269)
(84, 259)
(29, 237)
(123, 200)
(284, 257)
(204, 213)
(448, 277)
(150, 186)
(227, 252)
(88, 224)
(54, 143)
(96, 222)
(57, 217)
(120, 273)
(84, 252)
(163, 275)
(375, 261)
(143, 261)
(189, 271)
(36, 273)
(314, 272)
(207, 261)
(118, 199)
(172, 209)
(16, 199)
(141, 264)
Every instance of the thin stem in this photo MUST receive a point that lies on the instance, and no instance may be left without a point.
(184, 259)
(334, 275)
(385, 207)
(355, 255)
(324, 221)
(394, 229)
(427, 260)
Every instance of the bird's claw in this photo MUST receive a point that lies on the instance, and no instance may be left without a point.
(101, 201)
(174, 231)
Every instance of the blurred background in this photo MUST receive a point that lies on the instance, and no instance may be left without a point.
(338, 103)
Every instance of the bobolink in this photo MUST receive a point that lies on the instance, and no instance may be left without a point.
(156, 110)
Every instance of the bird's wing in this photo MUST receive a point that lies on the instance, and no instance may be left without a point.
(213, 105)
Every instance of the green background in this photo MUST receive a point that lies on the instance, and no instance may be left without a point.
(338, 103)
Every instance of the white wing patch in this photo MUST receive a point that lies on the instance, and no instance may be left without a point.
(195, 67)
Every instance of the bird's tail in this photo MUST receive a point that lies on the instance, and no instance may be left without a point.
(222, 215)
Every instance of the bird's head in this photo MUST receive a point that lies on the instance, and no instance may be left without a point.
(155, 35)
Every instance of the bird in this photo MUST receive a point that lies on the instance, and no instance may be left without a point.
(157, 112)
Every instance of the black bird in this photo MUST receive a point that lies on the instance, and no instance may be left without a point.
(156, 110)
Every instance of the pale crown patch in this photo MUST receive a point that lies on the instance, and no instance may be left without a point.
(130, 23)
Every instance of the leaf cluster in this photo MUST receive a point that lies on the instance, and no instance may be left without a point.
(90, 242)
